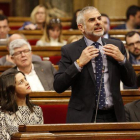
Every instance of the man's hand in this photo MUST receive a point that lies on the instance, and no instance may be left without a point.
(87, 54)
(114, 52)
(30, 27)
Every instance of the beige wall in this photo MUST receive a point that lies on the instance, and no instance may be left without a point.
(79, 4)
(110, 7)
(114, 7)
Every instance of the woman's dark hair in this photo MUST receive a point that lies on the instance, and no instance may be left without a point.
(73, 23)
(7, 92)
(54, 22)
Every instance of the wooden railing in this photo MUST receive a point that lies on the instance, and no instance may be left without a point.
(37, 34)
(41, 51)
(3, 68)
(52, 97)
(83, 131)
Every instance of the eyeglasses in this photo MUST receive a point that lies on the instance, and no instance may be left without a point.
(20, 52)
(132, 44)
(55, 20)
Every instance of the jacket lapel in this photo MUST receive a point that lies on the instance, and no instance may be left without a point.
(137, 110)
(89, 65)
(105, 41)
(42, 76)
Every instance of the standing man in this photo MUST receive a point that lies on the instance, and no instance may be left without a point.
(94, 66)
(4, 29)
(132, 39)
(106, 25)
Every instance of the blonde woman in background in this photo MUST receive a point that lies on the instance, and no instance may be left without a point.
(52, 34)
(39, 17)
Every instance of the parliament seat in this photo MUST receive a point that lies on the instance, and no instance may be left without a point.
(54, 114)
(79, 131)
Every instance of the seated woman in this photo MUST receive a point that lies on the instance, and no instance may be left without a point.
(38, 18)
(16, 108)
(52, 34)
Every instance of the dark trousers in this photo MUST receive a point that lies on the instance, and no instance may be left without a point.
(105, 116)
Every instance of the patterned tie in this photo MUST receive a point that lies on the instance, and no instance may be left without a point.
(99, 78)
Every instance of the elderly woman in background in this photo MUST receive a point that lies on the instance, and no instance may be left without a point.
(39, 16)
(52, 34)
(16, 108)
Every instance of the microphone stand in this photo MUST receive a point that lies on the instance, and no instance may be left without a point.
(99, 93)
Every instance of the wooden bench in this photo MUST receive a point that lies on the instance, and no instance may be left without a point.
(36, 34)
(41, 51)
(3, 68)
(52, 97)
(65, 19)
(17, 22)
(81, 131)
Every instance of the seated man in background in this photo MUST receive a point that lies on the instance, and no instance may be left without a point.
(106, 24)
(132, 18)
(4, 29)
(39, 74)
(132, 109)
(6, 60)
(132, 39)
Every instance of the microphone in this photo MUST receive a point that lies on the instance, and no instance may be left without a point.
(99, 92)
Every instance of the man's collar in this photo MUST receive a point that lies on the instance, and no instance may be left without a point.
(31, 69)
(90, 42)
(106, 36)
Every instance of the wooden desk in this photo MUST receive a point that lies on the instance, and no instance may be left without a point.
(83, 131)
(41, 51)
(3, 68)
(37, 34)
(65, 19)
(52, 97)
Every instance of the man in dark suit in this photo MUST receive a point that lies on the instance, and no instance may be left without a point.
(79, 69)
(39, 74)
(132, 110)
(106, 25)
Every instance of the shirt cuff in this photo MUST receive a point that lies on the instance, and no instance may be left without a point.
(77, 66)
(122, 62)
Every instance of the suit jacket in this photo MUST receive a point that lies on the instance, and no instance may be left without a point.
(132, 111)
(4, 62)
(45, 72)
(82, 101)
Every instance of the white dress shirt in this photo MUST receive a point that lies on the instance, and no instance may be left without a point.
(33, 80)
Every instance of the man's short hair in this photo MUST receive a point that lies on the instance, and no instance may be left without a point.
(138, 80)
(3, 17)
(80, 16)
(132, 10)
(17, 43)
(130, 34)
(105, 15)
